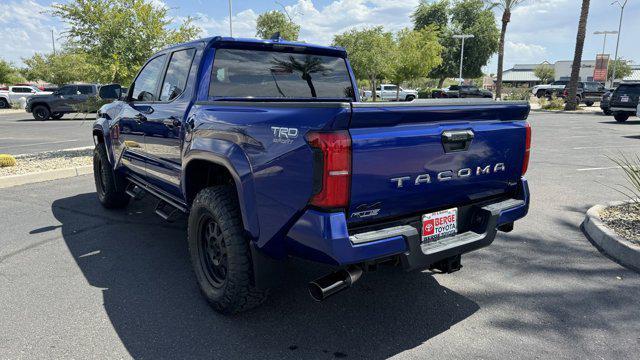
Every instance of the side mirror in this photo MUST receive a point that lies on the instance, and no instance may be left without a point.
(110, 92)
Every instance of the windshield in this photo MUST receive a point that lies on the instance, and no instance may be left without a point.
(268, 74)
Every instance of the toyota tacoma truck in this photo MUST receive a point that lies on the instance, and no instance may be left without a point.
(67, 99)
(270, 154)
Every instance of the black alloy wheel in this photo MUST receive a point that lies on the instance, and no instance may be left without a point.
(213, 251)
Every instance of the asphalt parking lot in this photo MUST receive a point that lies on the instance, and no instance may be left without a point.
(83, 282)
(20, 133)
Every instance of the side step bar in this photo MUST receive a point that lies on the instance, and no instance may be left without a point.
(167, 211)
(134, 191)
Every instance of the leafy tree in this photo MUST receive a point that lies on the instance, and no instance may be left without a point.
(9, 74)
(458, 17)
(118, 36)
(623, 69)
(416, 52)
(275, 21)
(545, 73)
(61, 68)
(369, 52)
(507, 6)
(572, 87)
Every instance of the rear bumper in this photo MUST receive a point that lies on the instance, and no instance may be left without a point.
(324, 237)
(623, 109)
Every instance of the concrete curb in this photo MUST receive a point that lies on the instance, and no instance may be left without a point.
(22, 179)
(608, 241)
(577, 112)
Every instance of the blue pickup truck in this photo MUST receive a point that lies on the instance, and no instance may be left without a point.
(267, 148)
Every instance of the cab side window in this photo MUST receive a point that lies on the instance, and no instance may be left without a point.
(85, 89)
(68, 90)
(145, 85)
(175, 80)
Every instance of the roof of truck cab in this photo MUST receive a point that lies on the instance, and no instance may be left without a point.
(256, 43)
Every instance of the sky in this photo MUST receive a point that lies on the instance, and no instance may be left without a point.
(540, 30)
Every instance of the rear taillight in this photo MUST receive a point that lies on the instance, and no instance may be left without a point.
(332, 168)
(527, 149)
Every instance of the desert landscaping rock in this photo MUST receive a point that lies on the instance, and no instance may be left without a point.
(50, 160)
(624, 219)
(624, 251)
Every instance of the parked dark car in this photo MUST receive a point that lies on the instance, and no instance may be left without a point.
(65, 100)
(462, 91)
(624, 101)
(605, 102)
(588, 92)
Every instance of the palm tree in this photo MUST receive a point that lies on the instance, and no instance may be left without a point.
(306, 68)
(506, 6)
(577, 58)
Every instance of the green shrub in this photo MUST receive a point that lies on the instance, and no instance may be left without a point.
(631, 168)
(555, 103)
(424, 93)
(18, 104)
(517, 94)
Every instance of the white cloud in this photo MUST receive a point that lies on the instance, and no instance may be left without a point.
(25, 30)
(320, 25)
(244, 24)
(525, 53)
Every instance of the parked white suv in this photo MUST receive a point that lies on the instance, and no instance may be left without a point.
(546, 90)
(388, 92)
(19, 94)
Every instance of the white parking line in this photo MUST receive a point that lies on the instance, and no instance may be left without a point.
(604, 147)
(36, 144)
(599, 168)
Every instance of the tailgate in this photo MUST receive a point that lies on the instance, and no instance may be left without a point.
(422, 156)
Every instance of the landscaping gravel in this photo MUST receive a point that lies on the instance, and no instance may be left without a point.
(48, 161)
(624, 220)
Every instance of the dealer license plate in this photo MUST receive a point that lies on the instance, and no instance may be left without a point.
(439, 224)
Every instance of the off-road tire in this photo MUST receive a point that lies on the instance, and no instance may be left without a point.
(57, 115)
(621, 117)
(41, 113)
(235, 292)
(410, 98)
(110, 186)
(4, 104)
(588, 103)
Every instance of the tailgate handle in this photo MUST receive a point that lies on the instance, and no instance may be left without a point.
(458, 140)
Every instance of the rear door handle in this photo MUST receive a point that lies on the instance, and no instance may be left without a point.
(140, 118)
(172, 121)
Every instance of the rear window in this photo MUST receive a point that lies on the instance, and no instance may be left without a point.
(628, 89)
(266, 74)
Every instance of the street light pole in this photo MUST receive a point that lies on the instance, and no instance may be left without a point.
(605, 33)
(463, 37)
(615, 62)
(230, 20)
(604, 44)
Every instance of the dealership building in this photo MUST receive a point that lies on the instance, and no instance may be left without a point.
(522, 74)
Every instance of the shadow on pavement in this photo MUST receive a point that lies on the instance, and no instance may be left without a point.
(154, 305)
(66, 118)
(628, 122)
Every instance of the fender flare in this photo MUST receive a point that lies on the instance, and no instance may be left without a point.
(102, 127)
(230, 156)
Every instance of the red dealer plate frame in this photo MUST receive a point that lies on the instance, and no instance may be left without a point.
(439, 225)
